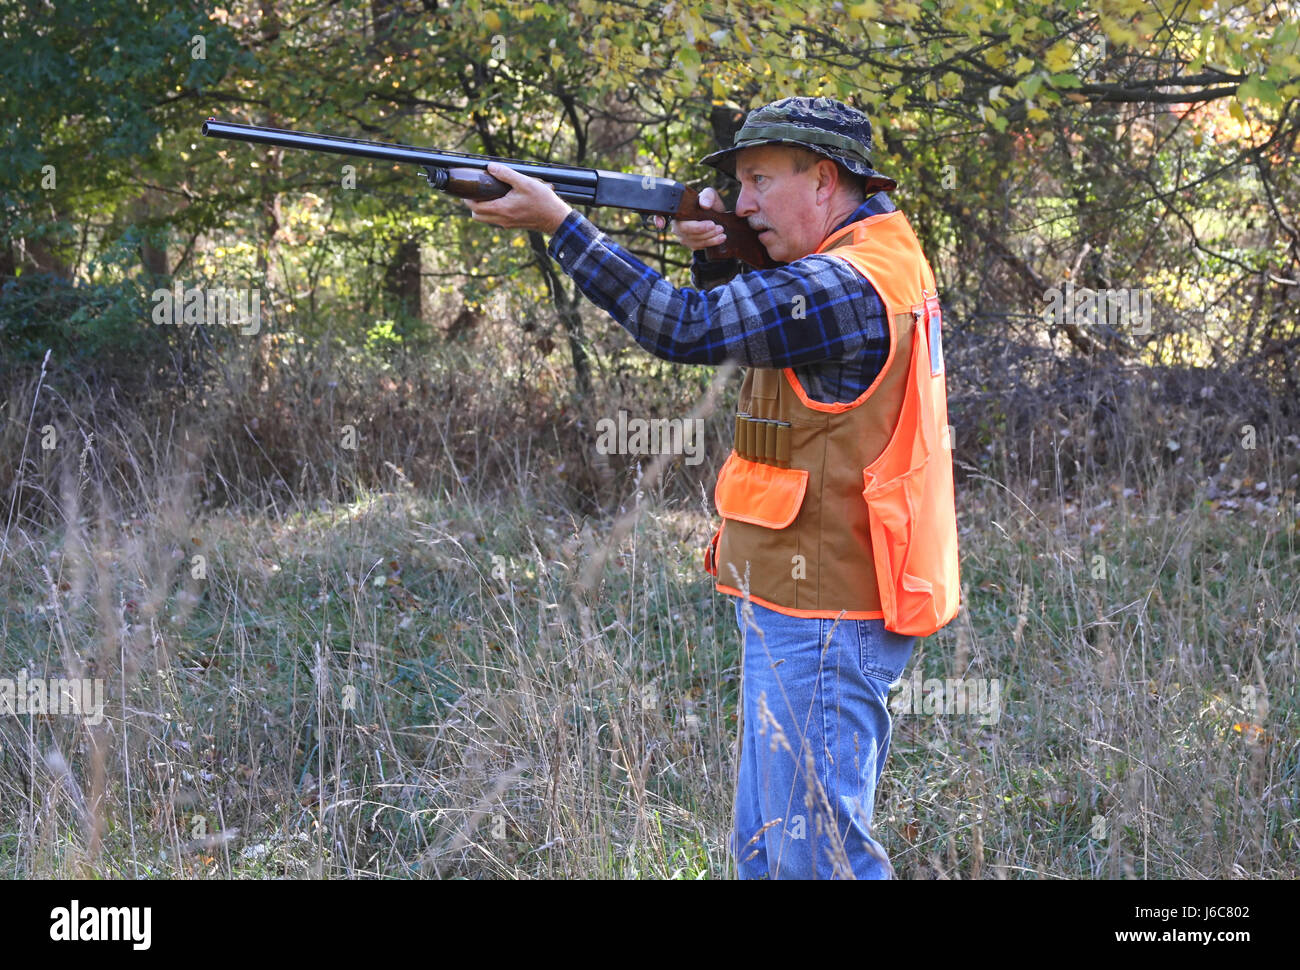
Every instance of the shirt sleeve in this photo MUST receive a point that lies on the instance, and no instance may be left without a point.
(814, 309)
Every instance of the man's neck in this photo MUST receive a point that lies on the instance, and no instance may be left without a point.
(842, 213)
(877, 203)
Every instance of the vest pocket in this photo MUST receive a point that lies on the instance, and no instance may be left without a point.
(898, 547)
(760, 494)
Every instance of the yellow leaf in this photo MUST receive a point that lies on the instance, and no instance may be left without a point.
(1235, 109)
(1023, 65)
(1251, 732)
(1037, 114)
(1058, 57)
(493, 20)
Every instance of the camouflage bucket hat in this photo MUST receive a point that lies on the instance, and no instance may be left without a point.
(822, 125)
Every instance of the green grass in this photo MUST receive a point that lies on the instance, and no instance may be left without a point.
(421, 685)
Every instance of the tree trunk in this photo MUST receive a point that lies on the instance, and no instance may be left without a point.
(567, 308)
(44, 257)
(385, 38)
(403, 282)
(153, 259)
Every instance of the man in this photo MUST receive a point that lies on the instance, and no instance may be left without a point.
(838, 533)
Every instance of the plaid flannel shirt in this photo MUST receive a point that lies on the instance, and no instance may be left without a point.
(837, 348)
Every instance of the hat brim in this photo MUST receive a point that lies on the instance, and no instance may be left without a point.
(725, 162)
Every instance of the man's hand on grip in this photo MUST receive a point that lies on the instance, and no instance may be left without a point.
(530, 203)
(702, 234)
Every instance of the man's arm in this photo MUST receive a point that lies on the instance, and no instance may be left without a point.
(813, 310)
(816, 309)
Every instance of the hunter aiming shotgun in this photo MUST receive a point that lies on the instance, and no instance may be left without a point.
(465, 176)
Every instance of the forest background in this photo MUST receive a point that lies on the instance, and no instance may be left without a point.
(368, 600)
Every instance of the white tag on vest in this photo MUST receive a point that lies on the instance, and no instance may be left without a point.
(934, 334)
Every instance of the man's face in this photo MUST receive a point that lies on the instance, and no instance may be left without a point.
(793, 207)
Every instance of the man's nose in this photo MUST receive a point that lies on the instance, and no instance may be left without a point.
(745, 205)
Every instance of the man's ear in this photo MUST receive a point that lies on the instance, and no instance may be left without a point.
(828, 180)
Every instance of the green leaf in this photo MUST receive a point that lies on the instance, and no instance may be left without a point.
(1261, 90)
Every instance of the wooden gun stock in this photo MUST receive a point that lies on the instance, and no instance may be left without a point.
(742, 241)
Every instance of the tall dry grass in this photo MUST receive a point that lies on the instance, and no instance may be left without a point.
(491, 654)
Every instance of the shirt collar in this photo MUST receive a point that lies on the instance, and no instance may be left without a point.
(874, 206)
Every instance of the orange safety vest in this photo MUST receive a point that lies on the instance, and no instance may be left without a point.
(847, 510)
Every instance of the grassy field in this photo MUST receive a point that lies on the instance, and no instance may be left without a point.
(476, 679)
(416, 685)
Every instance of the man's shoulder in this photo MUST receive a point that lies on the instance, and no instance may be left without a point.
(828, 267)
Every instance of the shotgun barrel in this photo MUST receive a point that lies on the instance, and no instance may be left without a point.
(572, 183)
(466, 176)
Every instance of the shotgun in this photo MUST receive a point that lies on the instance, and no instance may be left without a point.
(465, 176)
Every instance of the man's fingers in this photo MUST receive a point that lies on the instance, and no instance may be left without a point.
(483, 212)
(712, 236)
(532, 203)
(505, 173)
(701, 233)
(698, 228)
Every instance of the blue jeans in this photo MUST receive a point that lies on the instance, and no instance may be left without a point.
(813, 744)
